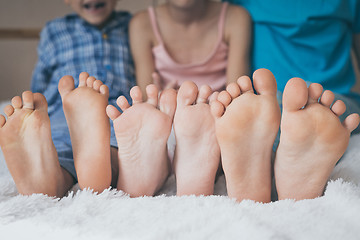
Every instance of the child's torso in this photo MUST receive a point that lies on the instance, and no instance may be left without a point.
(196, 52)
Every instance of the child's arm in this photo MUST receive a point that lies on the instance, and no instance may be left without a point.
(45, 64)
(141, 44)
(238, 31)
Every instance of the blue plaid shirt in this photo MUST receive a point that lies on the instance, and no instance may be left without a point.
(69, 46)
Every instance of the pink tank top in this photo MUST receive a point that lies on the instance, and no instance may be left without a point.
(210, 71)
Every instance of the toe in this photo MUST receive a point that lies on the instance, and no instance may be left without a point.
(82, 79)
(167, 102)
(224, 98)
(90, 81)
(16, 102)
(204, 94)
(217, 108)
(295, 94)
(104, 90)
(9, 110)
(123, 103)
(351, 122)
(136, 95)
(152, 94)
(213, 97)
(112, 112)
(66, 85)
(187, 94)
(40, 102)
(97, 85)
(244, 84)
(264, 82)
(338, 108)
(234, 90)
(2, 121)
(28, 100)
(315, 91)
(327, 98)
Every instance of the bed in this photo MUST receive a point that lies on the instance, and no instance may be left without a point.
(114, 215)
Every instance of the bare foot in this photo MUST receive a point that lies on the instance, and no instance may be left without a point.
(312, 140)
(89, 127)
(246, 127)
(30, 154)
(142, 131)
(197, 153)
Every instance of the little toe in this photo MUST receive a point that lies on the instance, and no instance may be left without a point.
(152, 94)
(123, 103)
(315, 91)
(233, 89)
(97, 85)
(40, 102)
(187, 94)
(264, 82)
(66, 85)
(295, 94)
(28, 100)
(112, 112)
(338, 108)
(167, 102)
(2, 121)
(244, 84)
(351, 122)
(224, 98)
(136, 95)
(9, 110)
(327, 98)
(204, 94)
(16, 102)
(82, 79)
(217, 108)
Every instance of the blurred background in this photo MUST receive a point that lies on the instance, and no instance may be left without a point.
(18, 48)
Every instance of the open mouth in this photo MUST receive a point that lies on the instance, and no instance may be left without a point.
(94, 6)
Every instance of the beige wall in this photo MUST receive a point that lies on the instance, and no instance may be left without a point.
(18, 57)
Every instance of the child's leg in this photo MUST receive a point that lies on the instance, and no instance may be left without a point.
(31, 157)
(246, 126)
(197, 153)
(312, 140)
(142, 131)
(89, 127)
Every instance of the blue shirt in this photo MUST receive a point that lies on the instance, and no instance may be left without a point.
(310, 39)
(69, 46)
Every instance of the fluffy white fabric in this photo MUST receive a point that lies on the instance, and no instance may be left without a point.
(113, 215)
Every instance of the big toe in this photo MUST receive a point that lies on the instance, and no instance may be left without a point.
(264, 82)
(40, 102)
(295, 94)
(167, 102)
(187, 94)
(66, 85)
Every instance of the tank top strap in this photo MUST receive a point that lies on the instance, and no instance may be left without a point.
(221, 24)
(154, 24)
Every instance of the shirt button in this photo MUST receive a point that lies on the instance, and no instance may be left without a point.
(105, 36)
(108, 67)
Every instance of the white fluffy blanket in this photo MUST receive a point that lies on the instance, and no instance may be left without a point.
(113, 215)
